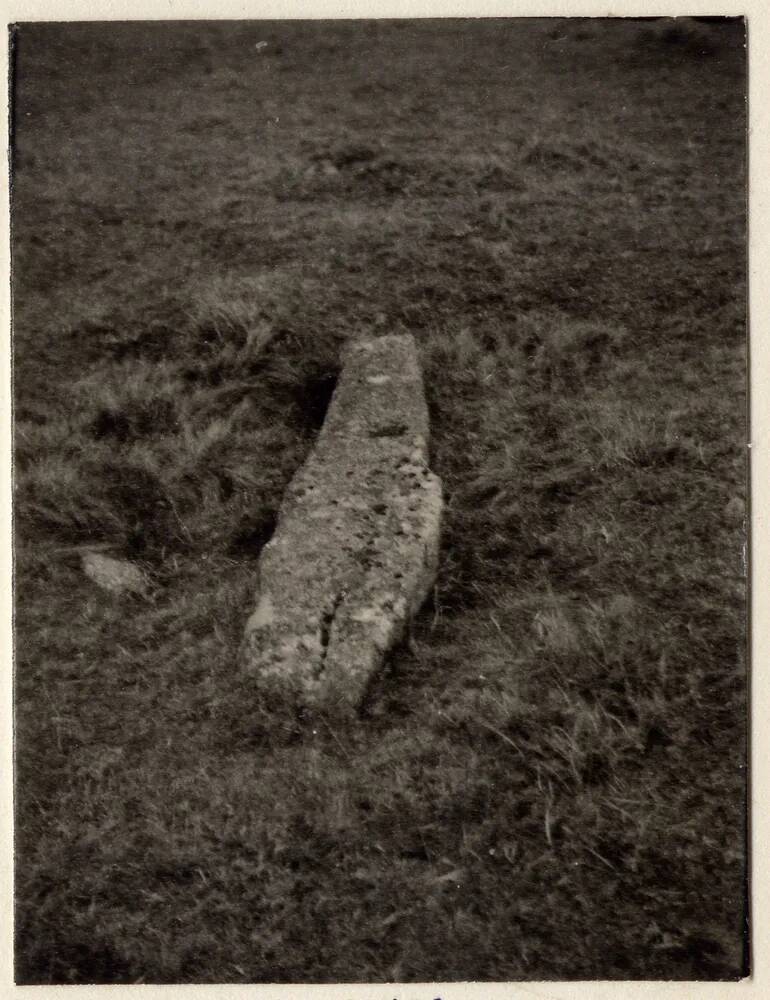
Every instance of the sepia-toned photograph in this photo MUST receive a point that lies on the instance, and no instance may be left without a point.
(380, 482)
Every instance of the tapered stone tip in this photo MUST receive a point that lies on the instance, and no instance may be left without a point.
(355, 551)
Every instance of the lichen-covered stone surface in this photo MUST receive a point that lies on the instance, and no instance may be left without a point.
(355, 551)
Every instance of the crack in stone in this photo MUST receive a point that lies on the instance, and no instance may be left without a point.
(327, 622)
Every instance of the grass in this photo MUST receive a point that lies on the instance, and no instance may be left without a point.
(548, 780)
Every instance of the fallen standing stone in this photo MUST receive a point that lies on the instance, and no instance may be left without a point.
(356, 548)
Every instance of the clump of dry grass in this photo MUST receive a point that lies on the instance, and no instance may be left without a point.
(177, 453)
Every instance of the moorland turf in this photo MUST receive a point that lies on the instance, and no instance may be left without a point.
(548, 781)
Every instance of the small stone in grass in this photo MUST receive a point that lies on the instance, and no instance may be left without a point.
(115, 575)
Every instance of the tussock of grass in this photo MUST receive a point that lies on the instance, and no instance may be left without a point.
(547, 781)
(173, 452)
